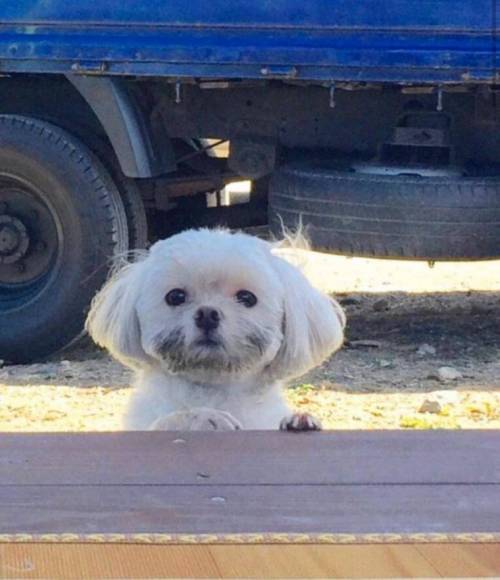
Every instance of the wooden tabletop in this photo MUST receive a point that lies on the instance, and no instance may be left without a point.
(345, 482)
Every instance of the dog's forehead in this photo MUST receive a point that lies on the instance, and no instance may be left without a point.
(210, 267)
(214, 259)
(227, 272)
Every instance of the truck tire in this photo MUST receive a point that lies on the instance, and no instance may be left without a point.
(401, 216)
(129, 192)
(61, 223)
(136, 214)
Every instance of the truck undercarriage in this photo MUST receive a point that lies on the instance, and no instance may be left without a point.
(372, 124)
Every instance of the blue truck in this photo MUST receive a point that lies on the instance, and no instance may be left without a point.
(372, 122)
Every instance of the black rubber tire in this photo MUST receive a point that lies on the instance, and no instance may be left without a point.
(92, 229)
(129, 192)
(137, 222)
(428, 218)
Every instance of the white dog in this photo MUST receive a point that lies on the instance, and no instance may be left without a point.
(213, 322)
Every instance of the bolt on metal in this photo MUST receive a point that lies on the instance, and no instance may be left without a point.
(178, 92)
(332, 96)
(439, 105)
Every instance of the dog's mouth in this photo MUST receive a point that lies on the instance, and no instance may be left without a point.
(208, 342)
(207, 353)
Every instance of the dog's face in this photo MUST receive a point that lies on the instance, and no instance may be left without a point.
(210, 309)
(210, 305)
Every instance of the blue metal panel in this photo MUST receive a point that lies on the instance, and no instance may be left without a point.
(496, 48)
(379, 40)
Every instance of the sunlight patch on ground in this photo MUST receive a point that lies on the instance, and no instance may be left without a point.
(48, 408)
(341, 274)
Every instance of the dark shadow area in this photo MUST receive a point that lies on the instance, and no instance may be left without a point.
(458, 323)
(398, 342)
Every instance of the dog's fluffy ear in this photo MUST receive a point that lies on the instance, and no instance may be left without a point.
(313, 324)
(113, 322)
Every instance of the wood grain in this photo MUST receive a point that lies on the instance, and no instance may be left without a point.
(83, 561)
(355, 509)
(463, 560)
(76, 561)
(344, 457)
(250, 482)
(321, 562)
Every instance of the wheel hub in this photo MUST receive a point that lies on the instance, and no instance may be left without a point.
(14, 239)
(28, 235)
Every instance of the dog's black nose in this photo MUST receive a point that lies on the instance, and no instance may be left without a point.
(207, 318)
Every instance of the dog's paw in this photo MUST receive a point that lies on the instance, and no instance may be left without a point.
(300, 422)
(201, 419)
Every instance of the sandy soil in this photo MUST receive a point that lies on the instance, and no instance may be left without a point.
(405, 322)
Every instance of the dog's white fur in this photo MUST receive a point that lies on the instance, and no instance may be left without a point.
(238, 384)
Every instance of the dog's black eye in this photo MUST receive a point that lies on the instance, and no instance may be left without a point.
(176, 297)
(246, 298)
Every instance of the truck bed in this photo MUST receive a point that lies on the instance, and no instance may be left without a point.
(428, 41)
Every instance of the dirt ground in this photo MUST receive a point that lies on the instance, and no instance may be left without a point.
(406, 321)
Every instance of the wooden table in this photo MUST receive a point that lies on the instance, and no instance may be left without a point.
(250, 504)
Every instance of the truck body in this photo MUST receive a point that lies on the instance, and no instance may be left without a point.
(402, 41)
(373, 123)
